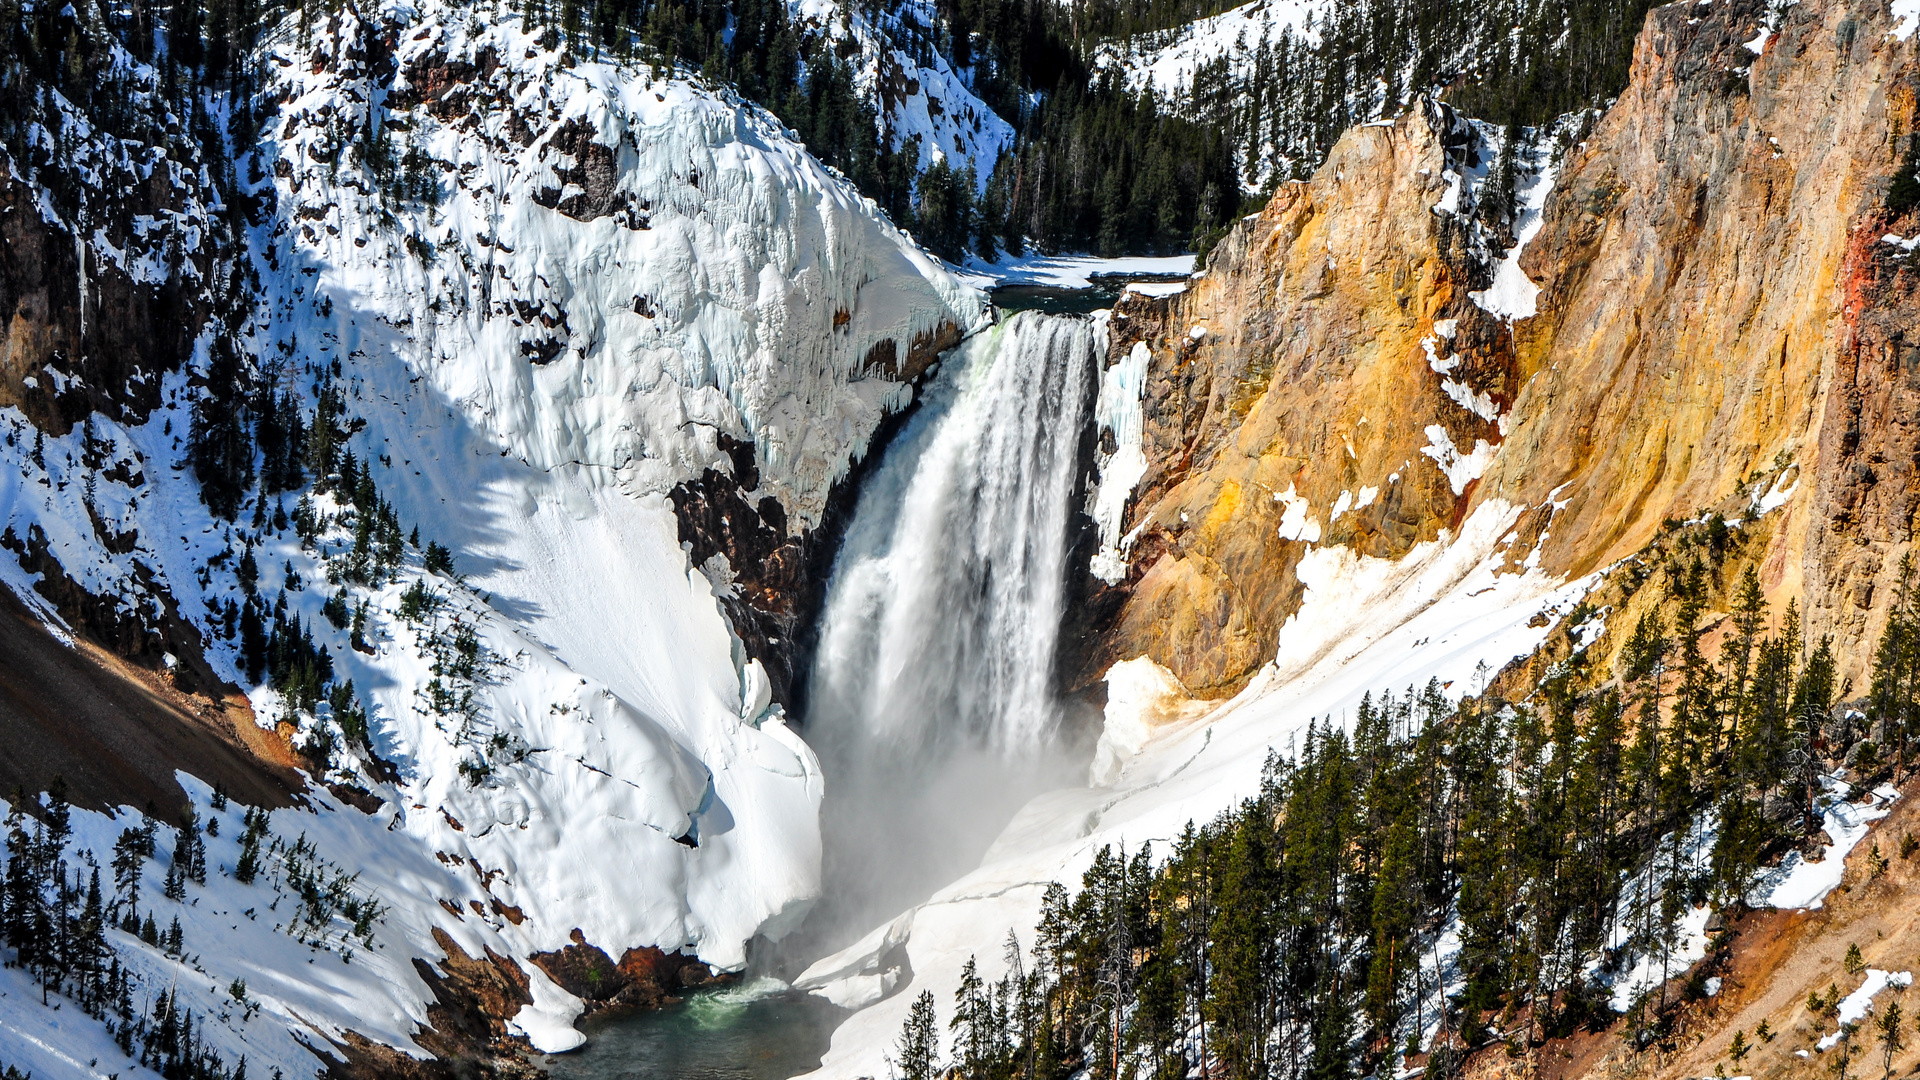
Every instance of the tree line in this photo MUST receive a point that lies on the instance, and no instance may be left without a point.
(1444, 877)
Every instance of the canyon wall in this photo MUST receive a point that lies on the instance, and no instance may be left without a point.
(1717, 319)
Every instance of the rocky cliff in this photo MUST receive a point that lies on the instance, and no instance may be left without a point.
(1718, 320)
(1298, 395)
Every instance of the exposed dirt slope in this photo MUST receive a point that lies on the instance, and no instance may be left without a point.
(116, 732)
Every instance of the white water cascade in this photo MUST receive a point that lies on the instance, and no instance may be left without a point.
(932, 703)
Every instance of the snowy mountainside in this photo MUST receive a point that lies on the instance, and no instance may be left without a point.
(1167, 62)
(919, 93)
(523, 299)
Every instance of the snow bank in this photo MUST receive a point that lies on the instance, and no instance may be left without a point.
(1142, 698)
(1072, 271)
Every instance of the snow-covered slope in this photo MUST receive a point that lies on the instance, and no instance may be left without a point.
(546, 294)
(930, 101)
(621, 271)
(1166, 62)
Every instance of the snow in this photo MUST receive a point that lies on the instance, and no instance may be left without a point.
(1855, 1006)
(1297, 521)
(1166, 61)
(1438, 613)
(547, 1021)
(1439, 366)
(1118, 410)
(1440, 977)
(931, 102)
(1590, 631)
(1460, 469)
(1142, 697)
(1777, 493)
(1679, 858)
(1157, 288)
(1480, 405)
(1800, 883)
(231, 930)
(1513, 295)
(1906, 15)
(42, 1042)
(1458, 391)
(1072, 271)
(706, 321)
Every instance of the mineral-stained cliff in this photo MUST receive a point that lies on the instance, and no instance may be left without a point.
(1297, 395)
(1722, 312)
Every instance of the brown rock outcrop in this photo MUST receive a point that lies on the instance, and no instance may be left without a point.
(645, 978)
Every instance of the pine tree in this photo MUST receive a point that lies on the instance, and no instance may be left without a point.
(919, 1046)
(1889, 1027)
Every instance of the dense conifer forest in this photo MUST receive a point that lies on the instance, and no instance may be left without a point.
(1553, 841)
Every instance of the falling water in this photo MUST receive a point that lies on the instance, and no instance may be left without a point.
(932, 701)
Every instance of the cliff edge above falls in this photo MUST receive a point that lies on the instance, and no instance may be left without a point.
(1718, 318)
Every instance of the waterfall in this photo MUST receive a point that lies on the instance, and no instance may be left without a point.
(932, 702)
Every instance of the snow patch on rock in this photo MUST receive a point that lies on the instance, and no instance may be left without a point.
(1460, 469)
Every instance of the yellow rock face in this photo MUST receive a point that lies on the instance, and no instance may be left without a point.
(1717, 312)
(1293, 377)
